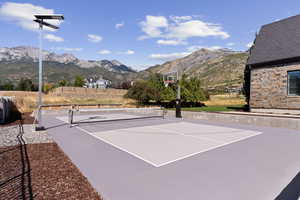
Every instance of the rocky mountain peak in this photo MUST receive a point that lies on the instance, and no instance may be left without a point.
(32, 54)
(117, 63)
(195, 58)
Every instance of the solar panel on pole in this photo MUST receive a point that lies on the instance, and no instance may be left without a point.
(40, 20)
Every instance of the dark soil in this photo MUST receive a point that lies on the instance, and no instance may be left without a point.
(41, 171)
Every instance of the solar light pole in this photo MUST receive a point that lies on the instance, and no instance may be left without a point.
(40, 20)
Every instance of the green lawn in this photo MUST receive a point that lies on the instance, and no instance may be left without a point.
(214, 108)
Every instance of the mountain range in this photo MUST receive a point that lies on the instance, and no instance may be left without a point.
(22, 62)
(218, 69)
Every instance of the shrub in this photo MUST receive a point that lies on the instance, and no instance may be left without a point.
(63, 83)
(47, 87)
(7, 86)
(26, 84)
(141, 91)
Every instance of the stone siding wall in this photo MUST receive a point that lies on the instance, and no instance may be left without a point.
(269, 88)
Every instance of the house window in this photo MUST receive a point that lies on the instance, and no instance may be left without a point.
(294, 83)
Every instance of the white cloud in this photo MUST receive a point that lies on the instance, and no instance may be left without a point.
(128, 52)
(23, 15)
(170, 56)
(180, 28)
(195, 48)
(196, 28)
(152, 26)
(66, 49)
(171, 42)
(120, 25)
(249, 45)
(230, 44)
(178, 19)
(53, 38)
(104, 52)
(94, 38)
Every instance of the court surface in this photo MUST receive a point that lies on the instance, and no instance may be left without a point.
(178, 159)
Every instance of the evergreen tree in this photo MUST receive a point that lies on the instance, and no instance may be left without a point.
(79, 81)
(25, 84)
(191, 90)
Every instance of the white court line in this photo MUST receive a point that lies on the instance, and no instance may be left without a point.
(215, 147)
(205, 137)
(177, 159)
(120, 148)
(186, 135)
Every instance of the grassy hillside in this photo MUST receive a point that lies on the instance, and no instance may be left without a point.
(225, 71)
(219, 72)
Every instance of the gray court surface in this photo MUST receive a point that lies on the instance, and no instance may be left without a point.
(182, 159)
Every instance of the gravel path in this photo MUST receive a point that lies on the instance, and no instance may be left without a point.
(8, 136)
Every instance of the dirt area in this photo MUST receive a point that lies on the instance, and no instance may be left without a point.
(225, 100)
(41, 171)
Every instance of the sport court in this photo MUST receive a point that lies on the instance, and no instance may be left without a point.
(134, 156)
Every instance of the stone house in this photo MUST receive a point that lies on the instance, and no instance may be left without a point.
(274, 65)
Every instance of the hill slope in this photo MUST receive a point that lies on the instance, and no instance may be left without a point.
(218, 69)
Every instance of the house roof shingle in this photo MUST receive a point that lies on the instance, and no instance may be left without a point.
(277, 42)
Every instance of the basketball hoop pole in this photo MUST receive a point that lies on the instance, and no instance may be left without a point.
(178, 98)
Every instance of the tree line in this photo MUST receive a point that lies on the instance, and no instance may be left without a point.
(152, 90)
(155, 91)
(26, 84)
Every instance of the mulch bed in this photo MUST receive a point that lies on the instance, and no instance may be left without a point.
(41, 171)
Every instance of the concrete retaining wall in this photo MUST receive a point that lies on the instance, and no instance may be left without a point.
(290, 122)
(255, 120)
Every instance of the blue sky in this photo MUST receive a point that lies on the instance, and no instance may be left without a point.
(141, 33)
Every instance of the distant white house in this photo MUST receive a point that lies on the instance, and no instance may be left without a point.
(95, 82)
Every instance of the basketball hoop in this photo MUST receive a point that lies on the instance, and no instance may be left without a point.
(167, 83)
(170, 78)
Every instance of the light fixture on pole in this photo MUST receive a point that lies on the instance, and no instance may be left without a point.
(40, 20)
